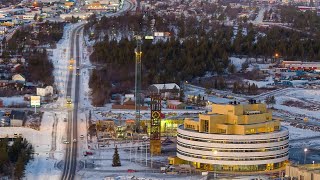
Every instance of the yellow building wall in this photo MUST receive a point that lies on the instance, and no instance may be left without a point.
(255, 118)
(175, 160)
(231, 119)
(255, 107)
(227, 109)
(191, 124)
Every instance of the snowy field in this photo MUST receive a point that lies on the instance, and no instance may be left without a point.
(297, 133)
(305, 96)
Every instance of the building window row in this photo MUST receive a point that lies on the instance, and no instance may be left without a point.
(233, 150)
(232, 158)
(229, 141)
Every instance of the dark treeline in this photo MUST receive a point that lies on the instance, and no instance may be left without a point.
(308, 21)
(193, 49)
(40, 68)
(14, 158)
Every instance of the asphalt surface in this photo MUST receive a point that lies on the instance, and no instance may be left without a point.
(70, 165)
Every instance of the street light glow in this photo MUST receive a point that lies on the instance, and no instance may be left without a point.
(305, 149)
(215, 152)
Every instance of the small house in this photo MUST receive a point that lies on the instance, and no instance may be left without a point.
(170, 90)
(175, 104)
(18, 78)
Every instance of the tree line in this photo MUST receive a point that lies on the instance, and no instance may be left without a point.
(40, 68)
(194, 49)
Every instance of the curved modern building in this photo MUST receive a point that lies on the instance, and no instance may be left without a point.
(234, 137)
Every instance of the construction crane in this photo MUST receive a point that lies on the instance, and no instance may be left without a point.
(138, 54)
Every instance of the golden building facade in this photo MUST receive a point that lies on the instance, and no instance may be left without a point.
(234, 137)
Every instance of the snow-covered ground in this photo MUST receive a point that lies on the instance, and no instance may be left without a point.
(297, 133)
(237, 62)
(299, 95)
(261, 84)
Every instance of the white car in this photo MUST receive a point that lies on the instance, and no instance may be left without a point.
(65, 142)
(81, 136)
(74, 140)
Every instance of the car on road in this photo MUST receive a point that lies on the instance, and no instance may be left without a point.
(65, 142)
(70, 67)
(81, 136)
(131, 171)
(74, 140)
(68, 99)
(87, 153)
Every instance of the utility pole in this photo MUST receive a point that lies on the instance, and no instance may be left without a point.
(146, 153)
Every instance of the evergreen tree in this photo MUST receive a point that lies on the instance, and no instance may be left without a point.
(19, 168)
(272, 101)
(198, 99)
(249, 89)
(4, 157)
(235, 87)
(216, 83)
(221, 83)
(254, 88)
(231, 68)
(242, 88)
(244, 66)
(268, 100)
(116, 158)
(181, 97)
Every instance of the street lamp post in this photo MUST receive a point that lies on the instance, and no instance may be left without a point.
(305, 154)
(215, 152)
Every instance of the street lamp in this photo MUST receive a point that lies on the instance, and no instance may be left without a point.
(215, 152)
(305, 152)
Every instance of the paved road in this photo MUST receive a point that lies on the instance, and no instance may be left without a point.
(70, 165)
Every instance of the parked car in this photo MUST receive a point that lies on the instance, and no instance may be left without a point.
(131, 171)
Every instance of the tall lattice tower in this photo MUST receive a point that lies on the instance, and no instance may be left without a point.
(137, 93)
(155, 125)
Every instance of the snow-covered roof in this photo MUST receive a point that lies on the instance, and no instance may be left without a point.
(166, 86)
(174, 102)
